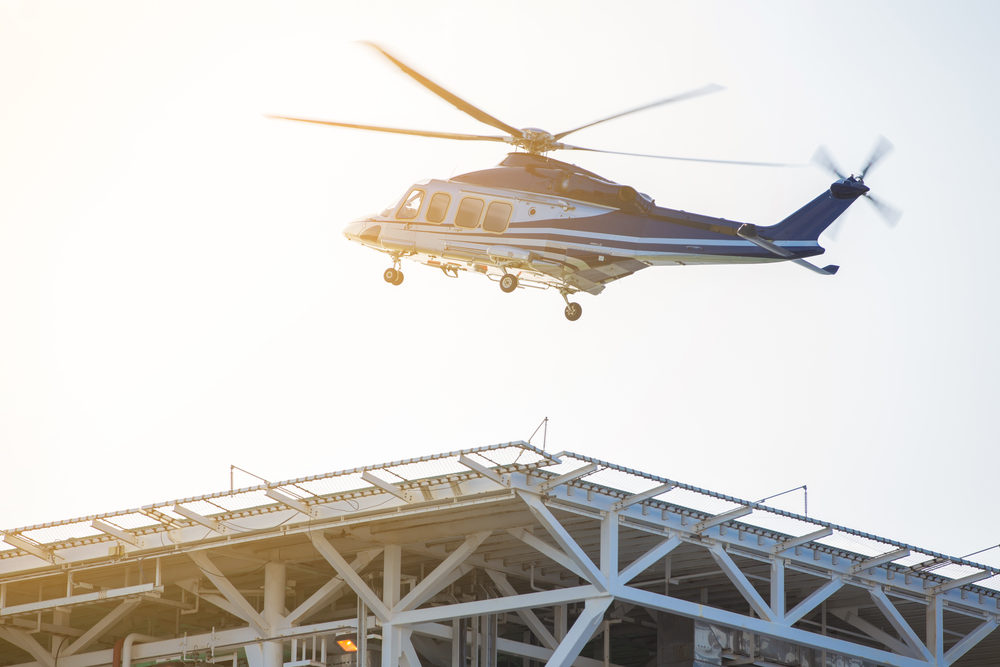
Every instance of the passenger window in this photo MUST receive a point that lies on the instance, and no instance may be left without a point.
(438, 207)
(497, 216)
(411, 206)
(468, 212)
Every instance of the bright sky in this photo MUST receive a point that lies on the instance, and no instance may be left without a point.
(176, 295)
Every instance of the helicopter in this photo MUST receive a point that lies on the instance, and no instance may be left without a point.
(534, 221)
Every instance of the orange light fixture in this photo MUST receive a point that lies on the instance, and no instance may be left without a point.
(347, 645)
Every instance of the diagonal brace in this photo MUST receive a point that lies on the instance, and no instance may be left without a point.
(438, 577)
(741, 582)
(906, 632)
(565, 540)
(640, 564)
(352, 578)
(243, 608)
(330, 589)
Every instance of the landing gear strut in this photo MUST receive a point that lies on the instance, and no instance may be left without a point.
(573, 310)
(508, 283)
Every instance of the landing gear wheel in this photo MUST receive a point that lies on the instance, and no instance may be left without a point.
(393, 276)
(573, 311)
(508, 283)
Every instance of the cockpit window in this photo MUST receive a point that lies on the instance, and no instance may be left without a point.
(468, 212)
(411, 206)
(438, 207)
(497, 216)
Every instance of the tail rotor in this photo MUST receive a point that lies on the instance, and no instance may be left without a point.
(889, 214)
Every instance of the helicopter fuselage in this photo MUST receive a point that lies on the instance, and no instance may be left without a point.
(555, 225)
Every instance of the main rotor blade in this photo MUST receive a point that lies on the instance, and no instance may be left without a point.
(673, 157)
(704, 90)
(449, 97)
(823, 159)
(882, 148)
(396, 130)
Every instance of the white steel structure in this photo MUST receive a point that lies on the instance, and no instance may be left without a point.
(501, 555)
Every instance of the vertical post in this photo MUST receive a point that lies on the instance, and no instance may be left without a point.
(667, 575)
(392, 557)
(274, 611)
(607, 644)
(561, 621)
(778, 588)
(822, 620)
(362, 634)
(390, 645)
(609, 547)
(392, 638)
(457, 643)
(935, 628)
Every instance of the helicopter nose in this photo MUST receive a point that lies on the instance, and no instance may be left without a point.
(353, 230)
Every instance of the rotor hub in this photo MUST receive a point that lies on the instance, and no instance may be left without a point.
(535, 140)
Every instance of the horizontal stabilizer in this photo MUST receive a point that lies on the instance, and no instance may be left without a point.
(749, 232)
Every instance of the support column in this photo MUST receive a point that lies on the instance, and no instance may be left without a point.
(274, 611)
(935, 629)
(392, 637)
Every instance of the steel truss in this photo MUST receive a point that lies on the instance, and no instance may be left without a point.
(457, 558)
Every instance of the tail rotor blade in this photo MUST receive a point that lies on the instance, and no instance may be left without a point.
(889, 213)
(823, 159)
(882, 148)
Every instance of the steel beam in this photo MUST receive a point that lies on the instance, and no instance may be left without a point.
(564, 540)
(498, 605)
(243, 608)
(897, 621)
(711, 521)
(645, 561)
(851, 617)
(958, 583)
(352, 578)
(639, 497)
(527, 615)
(330, 589)
(476, 466)
(83, 598)
(568, 477)
(548, 550)
(26, 642)
(32, 547)
(288, 501)
(761, 626)
(583, 628)
(116, 532)
(879, 560)
(935, 629)
(207, 522)
(813, 600)
(969, 641)
(507, 646)
(388, 487)
(778, 589)
(97, 629)
(438, 577)
(793, 542)
(743, 585)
